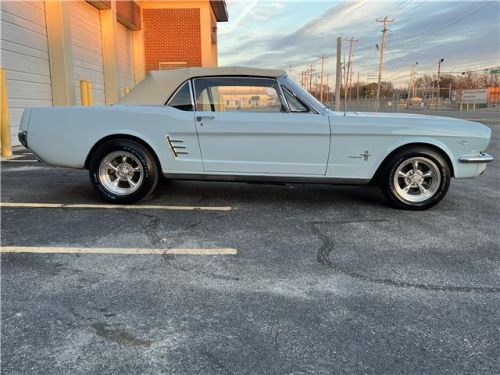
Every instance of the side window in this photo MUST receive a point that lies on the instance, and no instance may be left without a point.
(182, 99)
(294, 103)
(238, 94)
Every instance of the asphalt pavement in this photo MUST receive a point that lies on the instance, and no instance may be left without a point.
(318, 280)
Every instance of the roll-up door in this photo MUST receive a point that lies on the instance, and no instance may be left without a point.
(87, 49)
(125, 57)
(24, 55)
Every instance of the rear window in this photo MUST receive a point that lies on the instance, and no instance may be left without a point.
(182, 99)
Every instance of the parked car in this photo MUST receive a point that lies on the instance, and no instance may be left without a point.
(244, 124)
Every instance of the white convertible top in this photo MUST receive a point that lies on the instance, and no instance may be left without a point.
(159, 85)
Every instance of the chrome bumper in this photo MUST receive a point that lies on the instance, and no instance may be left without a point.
(23, 138)
(483, 157)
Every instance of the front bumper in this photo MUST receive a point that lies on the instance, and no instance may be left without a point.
(482, 157)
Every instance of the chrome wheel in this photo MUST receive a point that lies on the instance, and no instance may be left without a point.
(121, 173)
(417, 179)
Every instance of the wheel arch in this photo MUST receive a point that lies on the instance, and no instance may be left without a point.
(431, 146)
(113, 137)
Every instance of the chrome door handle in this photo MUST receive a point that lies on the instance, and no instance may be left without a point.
(201, 118)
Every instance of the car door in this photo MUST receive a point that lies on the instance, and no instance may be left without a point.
(245, 126)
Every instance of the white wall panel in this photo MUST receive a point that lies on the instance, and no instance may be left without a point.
(125, 57)
(87, 49)
(24, 55)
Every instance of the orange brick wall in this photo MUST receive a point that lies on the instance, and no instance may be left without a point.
(171, 35)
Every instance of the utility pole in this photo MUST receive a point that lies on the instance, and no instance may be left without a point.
(410, 85)
(290, 71)
(311, 70)
(385, 21)
(321, 78)
(438, 83)
(357, 89)
(328, 86)
(338, 77)
(351, 40)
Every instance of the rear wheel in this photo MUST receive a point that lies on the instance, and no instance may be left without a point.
(123, 171)
(415, 178)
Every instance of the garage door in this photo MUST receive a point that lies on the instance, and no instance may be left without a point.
(87, 49)
(24, 55)
(125, 57)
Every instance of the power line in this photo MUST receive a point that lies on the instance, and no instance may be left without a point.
(398, 7)
(444, 26)
(411, 10)
(391, 75)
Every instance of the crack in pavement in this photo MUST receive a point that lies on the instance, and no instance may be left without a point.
(151, 229)
(326, 247)
(118, 335)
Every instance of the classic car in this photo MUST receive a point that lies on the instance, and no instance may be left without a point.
(245, 124)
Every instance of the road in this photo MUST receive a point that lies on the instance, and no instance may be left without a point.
(319, 279)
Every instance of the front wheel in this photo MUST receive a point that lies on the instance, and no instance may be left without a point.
(123, 171)
(415, 178)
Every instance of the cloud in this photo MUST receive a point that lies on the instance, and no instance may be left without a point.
(465, 33)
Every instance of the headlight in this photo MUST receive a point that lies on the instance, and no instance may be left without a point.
(23, 138)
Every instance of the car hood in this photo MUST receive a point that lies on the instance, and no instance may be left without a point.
(414, 124)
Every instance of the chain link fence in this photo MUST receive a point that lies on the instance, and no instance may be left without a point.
(402, 105)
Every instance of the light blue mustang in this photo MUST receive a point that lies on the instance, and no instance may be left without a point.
(252, 124)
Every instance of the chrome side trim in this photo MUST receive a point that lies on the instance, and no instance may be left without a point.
(483, 157)
(267, 179)
(177, 149)
(281, 95)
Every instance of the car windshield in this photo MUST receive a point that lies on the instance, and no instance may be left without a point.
(303, 93)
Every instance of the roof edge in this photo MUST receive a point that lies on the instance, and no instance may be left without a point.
(220, 10)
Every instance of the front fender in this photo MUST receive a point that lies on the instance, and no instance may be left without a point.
(409, 141)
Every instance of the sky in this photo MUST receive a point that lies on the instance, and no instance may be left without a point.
(280, 33)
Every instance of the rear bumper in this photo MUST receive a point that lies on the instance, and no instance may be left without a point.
(23, 138)
(482, 157)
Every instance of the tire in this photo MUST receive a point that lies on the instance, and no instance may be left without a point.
(123, 171)
(418, 191)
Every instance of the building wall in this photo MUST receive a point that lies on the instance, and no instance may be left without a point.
(172, 35)
(202, 41)
(48, 46)
(24, 55)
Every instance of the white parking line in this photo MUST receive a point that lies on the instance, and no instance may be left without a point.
(23, 168)
(114, 250)
(5, 158)
(115, 206)
(20, 161)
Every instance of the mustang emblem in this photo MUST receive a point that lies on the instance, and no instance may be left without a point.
(365, 155)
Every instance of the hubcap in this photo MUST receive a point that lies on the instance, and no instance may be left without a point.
(417, 179)
(121, 173)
